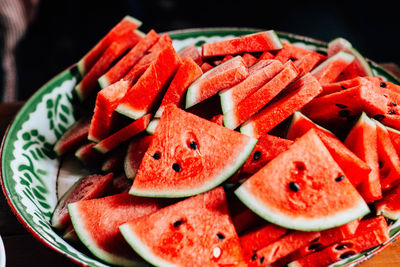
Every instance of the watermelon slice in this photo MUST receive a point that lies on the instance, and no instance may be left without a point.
(127, 24)
(211, 82)
(249, 59)
(206, 67)
(256, 42)
(259, 74)
(136, 150)
(192, 52)
(255, 101)
(354, 168)
(389, 205)
(91, 186)
(302, 182)
(139, 99)
(186, 74)
(87, 155)
(123, 135)
(118, 71)
(330, 69)
(296, 96)
(74, 137)
(293, 52)
(182, 161)
(308, 62)
(266, 55)
(197, 231)
(362, 140)
(395, 138)
(114, 161)
(96, 223)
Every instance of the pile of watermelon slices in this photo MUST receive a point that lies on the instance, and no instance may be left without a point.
(249, 152)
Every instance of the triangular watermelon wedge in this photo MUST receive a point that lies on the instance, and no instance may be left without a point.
(295, 189)
(189, 155)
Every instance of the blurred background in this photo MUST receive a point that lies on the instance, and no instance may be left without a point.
(55, 34)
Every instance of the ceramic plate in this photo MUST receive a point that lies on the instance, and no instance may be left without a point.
(31, 175)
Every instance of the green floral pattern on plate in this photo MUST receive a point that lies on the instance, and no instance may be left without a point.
(30, 168)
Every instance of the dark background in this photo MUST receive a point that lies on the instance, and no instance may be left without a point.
(63, 30)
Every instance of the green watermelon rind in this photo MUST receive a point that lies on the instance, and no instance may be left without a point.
(130, 112)
(226, 100)
(141, 249)
(103, 82)
(151, 128)
(297, 223)
(390, 214)
(86, 239)
(211, 183)
(247, 128)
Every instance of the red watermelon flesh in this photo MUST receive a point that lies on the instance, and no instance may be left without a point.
(266, 55)
(96, 223)
(192, 52)
(302, 182)
(249, 59)
(189, 155)
(89, 82)
(221, 77)
(136, 150)
(89, 187)
(362, 140)
(75, 136)
(218, 119)
(330, 69)
(167, 237)
(186, 74)
(308, 62)
(104, 116)
(334, 87)
(89, 156)
(282, 247)
(389, 162)
(123, 135)
(137, 70)
(255, 101)
(293, 52)
(256, 42)
(226, 58)
(118, 71)
(296, 96)
(354, 168)
(206, 67)
(389, 205)
(267, 148)
(121, 184)
(395, 138)
(259, 74)
(127, 24)
(259, 238)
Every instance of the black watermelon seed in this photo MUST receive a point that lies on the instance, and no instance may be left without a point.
(294, 187)
(314, 246)
(379, 117)
(257, 155)
(340, 247)
(254, 257)
(220, 236)
(262, 259)
(156, 156)
(176, 167)
(347, 254)
(385, 95)
(341, 106)
(343, 88)
(380, 163)
(383, 84)
(178, 223)
(392, 112)
(193, 145)
(339, 178)
(344, 113)
(393, 104)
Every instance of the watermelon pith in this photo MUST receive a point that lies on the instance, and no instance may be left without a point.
(294, 189)
(183, 157)
(389, 205)
(166, 237)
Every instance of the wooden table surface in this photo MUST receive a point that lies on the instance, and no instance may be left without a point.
(22, 249)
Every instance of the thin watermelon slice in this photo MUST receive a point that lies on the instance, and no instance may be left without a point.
(89, 82)
(104, 116)
(330, 69)
(74, 137)
(259, 74)
(118, 71)
(136, 150)
(249, 59)
(302, 182)
(123, 135)
(255, 101)
(87, 155)
(186, 74)
(296, 96)
(206, 67)
(362, 140)
(334, 87)
(293, 52)
(189, 159)
(167, 237)
(221, 77)
(139, 100)
(96, 223)
(354, 168)
(308, 62)
(192, 52)
(256, 42)
(91, 186)
(389, 205)
(127, 24)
